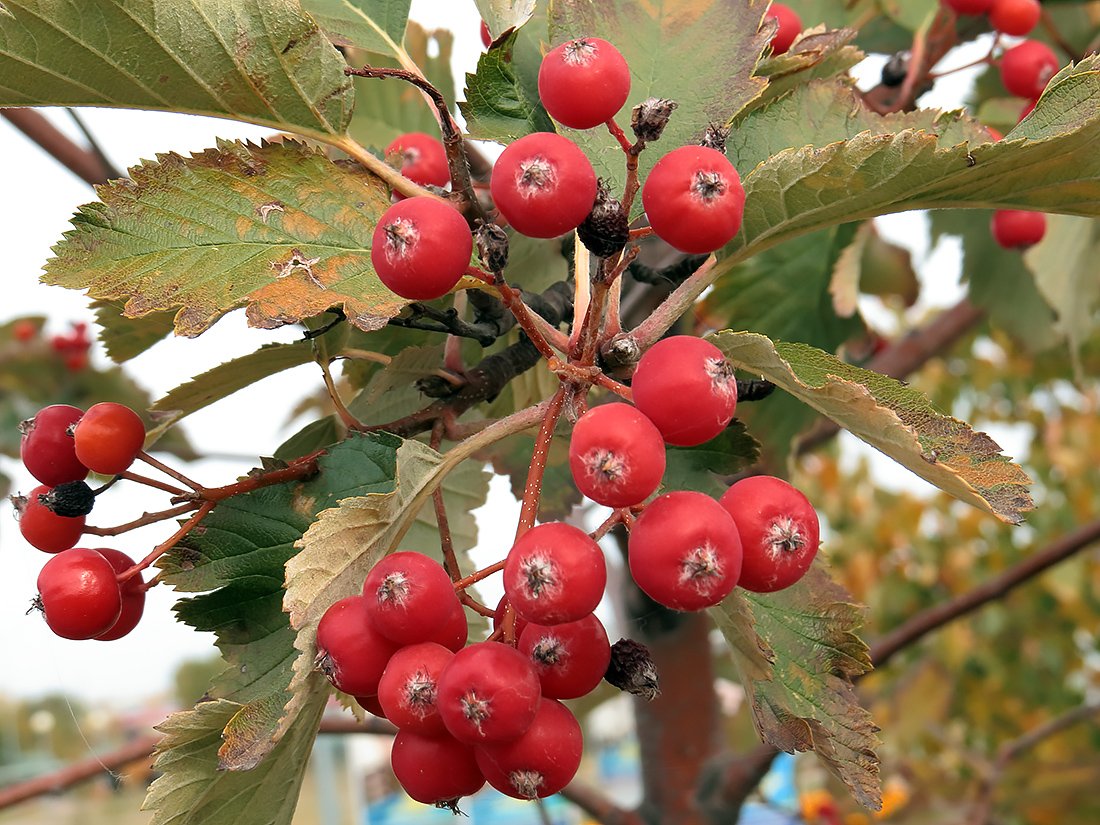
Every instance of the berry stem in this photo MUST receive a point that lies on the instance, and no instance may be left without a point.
(660, 321)
(164, 468)
(149, 482)
(348, 420)
(167, 545)
(532, 491)
(524, 316)
(446, 544)
(617, 132)
(476, 606)
(484, 573)
(146, 518)
(298, 469)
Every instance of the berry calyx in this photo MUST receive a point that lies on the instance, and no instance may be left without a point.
(694, 199)
(47, 446)
(687, 388)
(108, 438)
(778, 528)
(616, 455)
(790, 26)
(583, 82)
(408, 689)
(543, 185)
(79, 594)
(423, 159)
(489, 692)
(554, 573)
(409, 597)
(685, 551)
(1017, 228)
(421, 248)
(1027, 68)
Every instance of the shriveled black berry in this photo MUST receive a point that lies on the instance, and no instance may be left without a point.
(895, 70)
(649, 118)
(492, 246)
(71, 499)
(606, 230)
(631, 669)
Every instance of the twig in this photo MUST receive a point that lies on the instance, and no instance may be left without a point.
(450, 562)
(597, 806)
(533, 489)
(83, 163)
(146, 518)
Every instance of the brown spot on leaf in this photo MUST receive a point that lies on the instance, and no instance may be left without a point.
(265, 209)
(297, 262)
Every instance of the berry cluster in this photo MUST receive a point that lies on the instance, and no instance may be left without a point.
(83, 593)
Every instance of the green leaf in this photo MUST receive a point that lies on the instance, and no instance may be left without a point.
(374, 25)
(260, 61)
(397, 381)
(387, 109)
(822, 54)
(1064, 263)
(797, 653)
(673, 53)
(277, 228)
(312, 437)
(502, 100)
(892, 418)
(698, 468)
(784, 292)
(192, 789)
(226, 379)
(125, 338)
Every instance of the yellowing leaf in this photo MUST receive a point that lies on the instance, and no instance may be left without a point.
(891, 417)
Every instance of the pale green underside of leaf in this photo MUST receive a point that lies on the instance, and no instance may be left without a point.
(260, 61)
(1053, 168)
(276, 228)
(501, 15)
(820, 53)
(892, 418)
(797, 652)
(375, 25)
(674, 53)
(191, 789)
(346, 541)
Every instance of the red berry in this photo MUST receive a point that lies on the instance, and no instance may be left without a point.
(424, 160)
(108, 438)
(1017, 228)
(969, 6)
(455, 632)
(486, 35)
(1027, 68)
(1015, 17)
(694, 199)
(570, 659)
(778, 529)
(543, 185)
(583, 82)
(539, 763)
(407, 692)
(616, 455)
(421, 248)
(554, 573)
(790, 26)
(371, 705)
(350, 652)
(44, 529)
(684, 552)
(47, 447)
(435, 770)
(79, 594)
(409, 597)
(488, 693)
(133, 595)
(24, 330)
(686, 387)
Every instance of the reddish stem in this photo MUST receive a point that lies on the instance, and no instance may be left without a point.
(617, 132)
(151, 482)
(484, 573)
(164, 468)
(164, 546)
(298, 469)
(146, 518)
(532, 491)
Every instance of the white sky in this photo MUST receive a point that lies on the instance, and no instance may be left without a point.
(37, 198)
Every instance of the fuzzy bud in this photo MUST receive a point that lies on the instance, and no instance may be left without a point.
(492, 246)
(606, 230)
(649, 118)
(632, 669)
(715, 137)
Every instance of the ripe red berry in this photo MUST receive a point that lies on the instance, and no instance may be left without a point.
(554, 573)
(570, 659)
(489, 692)
(421, 248)
(1027, 68)
(371, 705)
(133, 595)
(455, 631)
(44, 529)
(540, 762)
(24, 330)
(424, 160)
(47, 447)
(790, 26)
(1017, 228)
(350, 652)
(969, 6)
(1015, 17)
(409, 597)
(407, 692)
(435, 770)
(543, 185)
(686, 387)
(778, 529)
(684, 551)
(79, 594)
(694, 199)
(108, 438)
(583, 82)
(616, 455)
